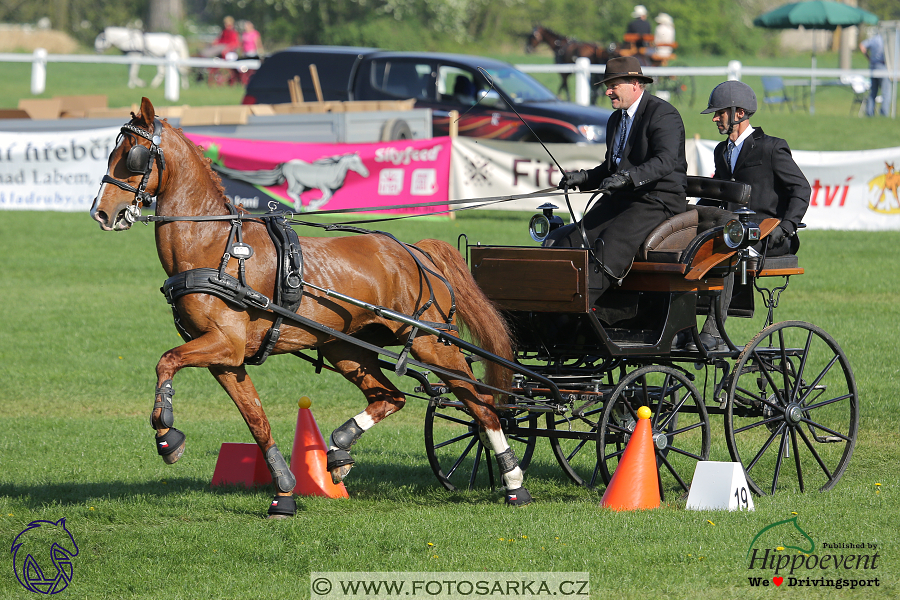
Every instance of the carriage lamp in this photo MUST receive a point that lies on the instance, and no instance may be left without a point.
(741, 233)
(542, 224)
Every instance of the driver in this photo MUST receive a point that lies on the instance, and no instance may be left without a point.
(778, 187)
(644, 173)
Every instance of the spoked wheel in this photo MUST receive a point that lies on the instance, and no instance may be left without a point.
(458, 452)
(573, 439)
(793, 409)
(680, 424)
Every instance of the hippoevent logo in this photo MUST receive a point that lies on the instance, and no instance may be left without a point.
(42, 556)
(784, 554)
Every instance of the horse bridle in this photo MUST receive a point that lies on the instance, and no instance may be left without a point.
(139, 160)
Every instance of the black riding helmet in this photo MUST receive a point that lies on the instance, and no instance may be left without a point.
(732, 95)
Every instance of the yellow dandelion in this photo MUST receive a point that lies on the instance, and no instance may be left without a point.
(710, 522)
(9, 515)
(780, 548)
(120, 358)
(524, 537)
(690, 555)
(878, 484)
(793, 513)
(92, 508)
(699, 558)
(504, 539)
(430, 544)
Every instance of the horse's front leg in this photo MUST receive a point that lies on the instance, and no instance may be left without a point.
(211, 348)
(429, 351)
(236, 382)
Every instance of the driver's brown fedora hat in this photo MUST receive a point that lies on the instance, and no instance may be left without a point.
(627, 67)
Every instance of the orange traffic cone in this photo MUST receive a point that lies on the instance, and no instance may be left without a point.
(308, 462)
(635, 484)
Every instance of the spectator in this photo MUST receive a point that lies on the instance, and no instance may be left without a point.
(251, 41)
(664, 37)
(873, 48)
(228, 41)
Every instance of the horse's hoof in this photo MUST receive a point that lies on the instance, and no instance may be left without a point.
(339, 462)
(338, 474)
(170, 446)
(518, 497)
(282, 507)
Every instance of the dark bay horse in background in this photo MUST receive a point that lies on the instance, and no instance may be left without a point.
(153, 159)
(566, 51)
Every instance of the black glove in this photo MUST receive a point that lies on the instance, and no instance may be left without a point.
(572, 179)
(778, 234)
(616, 181)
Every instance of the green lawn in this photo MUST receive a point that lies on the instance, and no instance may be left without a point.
(83, 327)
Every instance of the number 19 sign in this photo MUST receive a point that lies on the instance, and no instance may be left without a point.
(719, 486)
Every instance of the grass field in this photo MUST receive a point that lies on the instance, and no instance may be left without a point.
(84, 324)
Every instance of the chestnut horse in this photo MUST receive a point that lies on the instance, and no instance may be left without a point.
(153, 159)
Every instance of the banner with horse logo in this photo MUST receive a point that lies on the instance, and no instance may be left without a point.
(310, 177)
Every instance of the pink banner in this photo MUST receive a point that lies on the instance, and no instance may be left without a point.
(309, 177)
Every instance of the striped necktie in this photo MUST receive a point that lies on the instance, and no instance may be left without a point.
(623, 136)
(729, 150)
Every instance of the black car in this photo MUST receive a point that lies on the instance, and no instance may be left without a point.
(486, 93)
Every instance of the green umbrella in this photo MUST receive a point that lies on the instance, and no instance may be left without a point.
(814, 14)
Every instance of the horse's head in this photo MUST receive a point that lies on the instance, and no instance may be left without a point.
(355, 163)
(101, 42)
(131, 179)
(533, 39)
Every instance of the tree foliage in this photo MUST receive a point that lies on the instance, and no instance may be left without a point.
(720, 27)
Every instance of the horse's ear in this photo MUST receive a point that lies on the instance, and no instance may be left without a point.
(147, 114)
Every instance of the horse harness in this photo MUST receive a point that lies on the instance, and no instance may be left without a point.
(289, 273)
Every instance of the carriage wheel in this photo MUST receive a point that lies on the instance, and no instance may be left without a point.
(574, 441)
(679, 421)
(457, 453)
(793, 409)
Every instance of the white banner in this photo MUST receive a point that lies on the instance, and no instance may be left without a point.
(850, 190)
(53, 171)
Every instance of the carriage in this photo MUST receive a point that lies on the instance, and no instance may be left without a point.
(788, 396)
(243, 287)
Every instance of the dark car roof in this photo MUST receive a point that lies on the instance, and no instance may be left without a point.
(465, 59)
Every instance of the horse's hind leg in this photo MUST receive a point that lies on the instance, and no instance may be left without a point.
(360, 367)
(160, 75)
(236, 382)
(429, 351)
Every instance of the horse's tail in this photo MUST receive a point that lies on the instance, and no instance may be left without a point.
(262, 177)
(488, 328)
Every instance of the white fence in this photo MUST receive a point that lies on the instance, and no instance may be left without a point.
(39, 59)
(581, 70)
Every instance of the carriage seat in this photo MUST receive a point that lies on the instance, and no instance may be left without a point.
(667, 242)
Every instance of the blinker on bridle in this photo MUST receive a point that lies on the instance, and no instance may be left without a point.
(139, 160)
